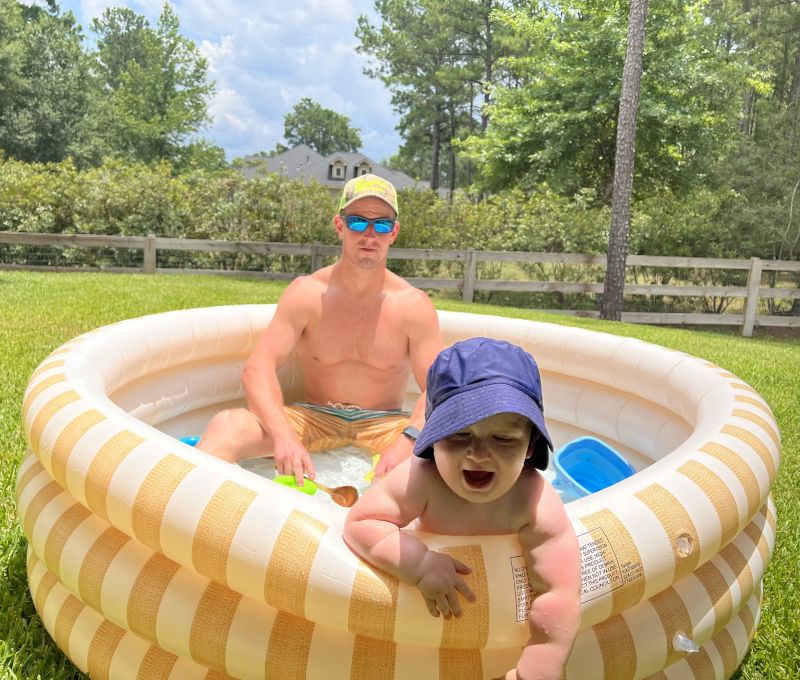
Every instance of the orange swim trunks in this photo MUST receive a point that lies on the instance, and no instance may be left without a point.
(321, 428)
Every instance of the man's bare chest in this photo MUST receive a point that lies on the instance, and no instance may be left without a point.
(374, 337)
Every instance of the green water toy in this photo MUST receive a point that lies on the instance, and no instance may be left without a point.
(341, 495)
(288, 480)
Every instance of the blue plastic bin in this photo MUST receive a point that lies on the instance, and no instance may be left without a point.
(587, 465)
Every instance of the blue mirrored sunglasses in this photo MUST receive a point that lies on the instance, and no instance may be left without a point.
(383, 225)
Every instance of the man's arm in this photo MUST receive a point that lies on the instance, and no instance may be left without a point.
(373, 531)
(260, 379)
(424, 343)
(552, 556)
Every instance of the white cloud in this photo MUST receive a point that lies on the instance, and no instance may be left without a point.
(265, 57)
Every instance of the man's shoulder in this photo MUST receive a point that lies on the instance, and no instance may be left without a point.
(321, 277)
(302, 295)
(309, 283)
(398, 281)
(404, 291)
(414, 306)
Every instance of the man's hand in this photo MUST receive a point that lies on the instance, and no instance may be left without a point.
(291, 458)
(441, 583)
(394, 454)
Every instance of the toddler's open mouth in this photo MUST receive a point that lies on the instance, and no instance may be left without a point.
(478, 479)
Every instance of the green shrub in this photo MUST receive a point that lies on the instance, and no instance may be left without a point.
(131, 199)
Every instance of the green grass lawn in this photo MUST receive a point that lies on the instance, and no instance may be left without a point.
(41, 311)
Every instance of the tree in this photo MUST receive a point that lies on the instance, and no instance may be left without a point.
(417, 53)
(489, 39)
(12, 57)
(613, 289)
(154, 89)
(760, 166)
(440, 59)
(324, 130)
(44, 81)
(122, 37)
(555, 122)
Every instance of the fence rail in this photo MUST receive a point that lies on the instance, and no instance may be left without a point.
(470, 282)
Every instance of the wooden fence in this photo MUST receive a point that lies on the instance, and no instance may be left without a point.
(470, 282)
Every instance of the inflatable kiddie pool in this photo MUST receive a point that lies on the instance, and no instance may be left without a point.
(148, 558)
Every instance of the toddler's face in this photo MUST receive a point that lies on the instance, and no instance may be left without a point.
(483, 461)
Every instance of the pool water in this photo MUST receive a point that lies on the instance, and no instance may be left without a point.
(338, 467)
(350, 465)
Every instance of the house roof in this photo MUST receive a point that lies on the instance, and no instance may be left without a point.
(303, 162)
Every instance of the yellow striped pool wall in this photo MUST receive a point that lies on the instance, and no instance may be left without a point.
(148, 558)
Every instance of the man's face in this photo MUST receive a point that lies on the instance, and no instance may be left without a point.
(367, 248)
(483, 461)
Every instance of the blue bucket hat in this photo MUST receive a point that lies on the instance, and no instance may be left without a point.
(478, 378)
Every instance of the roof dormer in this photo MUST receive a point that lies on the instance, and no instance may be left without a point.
(362, 168)
(337, 170)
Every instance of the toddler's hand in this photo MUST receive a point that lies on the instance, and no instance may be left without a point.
(441, 583)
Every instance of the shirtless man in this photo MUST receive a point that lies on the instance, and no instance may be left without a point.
(358, 331)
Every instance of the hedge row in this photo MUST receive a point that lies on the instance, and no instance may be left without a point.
(133, 199)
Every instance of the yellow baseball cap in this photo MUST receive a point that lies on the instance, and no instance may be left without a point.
(369, 185)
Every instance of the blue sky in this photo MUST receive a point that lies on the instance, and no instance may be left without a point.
(264, 56)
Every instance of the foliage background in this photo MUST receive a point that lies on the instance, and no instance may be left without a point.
(134, 199)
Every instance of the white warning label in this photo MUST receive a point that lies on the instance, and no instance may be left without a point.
(601, 570)
(523, 592)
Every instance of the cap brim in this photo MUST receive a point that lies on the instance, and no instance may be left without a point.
(368, 194)
(468, 407)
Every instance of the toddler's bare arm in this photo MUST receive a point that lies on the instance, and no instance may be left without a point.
(553, 559)
(373, 531)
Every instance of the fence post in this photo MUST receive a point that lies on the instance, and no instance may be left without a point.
(316, 258)
(470, 274)
(751, 303)
(149, 265)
